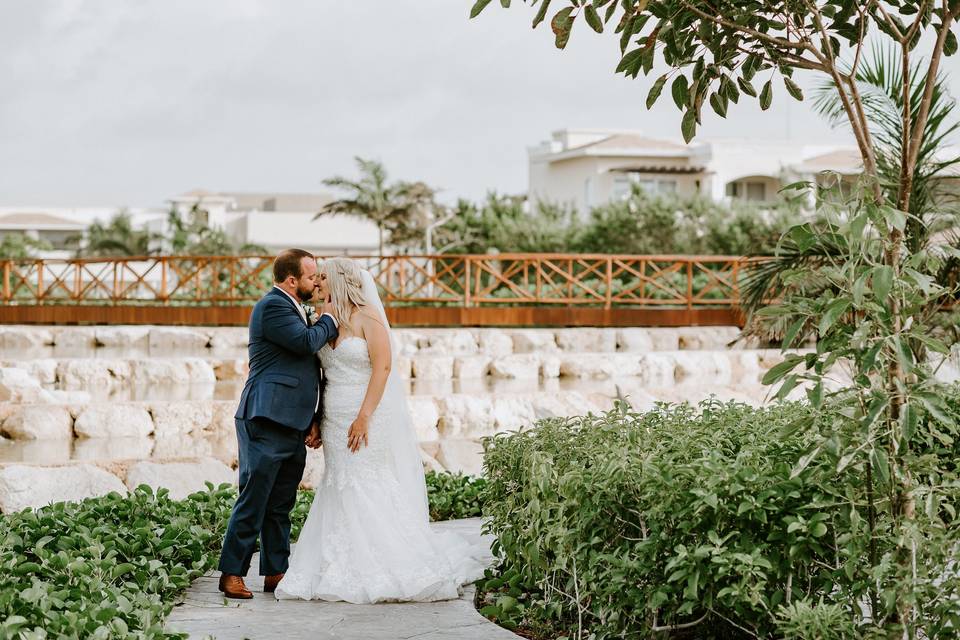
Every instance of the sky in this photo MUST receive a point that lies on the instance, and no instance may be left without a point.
(127, 103)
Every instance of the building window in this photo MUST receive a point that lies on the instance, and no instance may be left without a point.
(648, 184)
(751, 190)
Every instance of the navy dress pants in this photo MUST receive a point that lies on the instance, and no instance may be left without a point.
(272, 458)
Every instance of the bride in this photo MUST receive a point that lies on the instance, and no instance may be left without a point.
(367, 538)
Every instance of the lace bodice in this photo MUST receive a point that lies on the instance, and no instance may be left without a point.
(348, 364)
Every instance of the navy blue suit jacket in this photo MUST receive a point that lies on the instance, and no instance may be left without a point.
(285, 377)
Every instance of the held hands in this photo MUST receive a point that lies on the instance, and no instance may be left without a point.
(312, 439)
(357, 436)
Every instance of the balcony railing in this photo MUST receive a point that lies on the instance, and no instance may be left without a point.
(468, 281)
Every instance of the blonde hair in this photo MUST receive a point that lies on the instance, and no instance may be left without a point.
(345, 285)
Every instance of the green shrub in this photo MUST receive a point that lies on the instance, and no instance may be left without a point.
(454, 496)
(111, 567)
(624, 522)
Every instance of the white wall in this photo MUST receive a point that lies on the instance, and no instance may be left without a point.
(327, 235)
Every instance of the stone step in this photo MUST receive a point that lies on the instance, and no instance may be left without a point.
(18, 341)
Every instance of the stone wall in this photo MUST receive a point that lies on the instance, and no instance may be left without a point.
(155, 405)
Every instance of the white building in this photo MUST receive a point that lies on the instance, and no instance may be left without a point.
(589, 167)
(273, 220)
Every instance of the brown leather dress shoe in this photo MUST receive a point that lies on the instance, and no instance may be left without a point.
(270, 582)
(233, 587)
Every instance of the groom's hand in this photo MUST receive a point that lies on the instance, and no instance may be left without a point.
(312, 439)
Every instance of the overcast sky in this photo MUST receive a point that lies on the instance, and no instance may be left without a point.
(128, 102)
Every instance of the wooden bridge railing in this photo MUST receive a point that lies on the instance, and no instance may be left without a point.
(606, 281)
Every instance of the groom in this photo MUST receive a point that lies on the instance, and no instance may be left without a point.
(279, 414)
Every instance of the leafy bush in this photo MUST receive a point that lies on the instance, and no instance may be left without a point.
(454, 496)
(715, 518)
(111, 567)
(105, 567)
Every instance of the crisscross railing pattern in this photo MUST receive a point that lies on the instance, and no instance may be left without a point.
(589, 280)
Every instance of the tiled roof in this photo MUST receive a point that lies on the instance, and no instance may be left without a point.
(631, 141)
(37, 219)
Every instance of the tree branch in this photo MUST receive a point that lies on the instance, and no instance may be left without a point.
(716, 19)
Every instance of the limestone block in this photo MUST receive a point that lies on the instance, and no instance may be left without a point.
(72, 398)
(170, 418)
(36, 451)
(111, 449)
(75, 338)
(88, 374)
(230, 369)
(464, 416)
(465, 367)
(39, 422)
(123, 337)
(587, 339)
(460, 455)
(24, 338)
(222, 422)
(706, 367)
(694, 338)
(494, 342)
(225, 449)
(658, 369)
(180, 478)
(425, 416)
(634, 340)
(664, 339)
(24, 486)
(550, 366)
(433, 367)
(409, 341)
(561, 405)
(450, 342)
(534, 341)
(525, 366)
(403, 365)
(430, 462)
(601, 366)
(229, 338)
(170, 340)
(17, 385)
(511, 413)
(180, 371)
(746, 367)
(44, 370)
(113, 421)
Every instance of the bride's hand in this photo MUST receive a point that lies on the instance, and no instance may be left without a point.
(357, 436)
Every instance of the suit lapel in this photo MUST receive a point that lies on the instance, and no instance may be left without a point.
(292, 304)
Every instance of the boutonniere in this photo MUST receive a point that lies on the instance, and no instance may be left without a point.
(311, 312)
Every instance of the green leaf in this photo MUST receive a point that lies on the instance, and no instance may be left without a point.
(950, 44)
(719, 104)
(778, 371)
(934, 405)
(909, 418)
(542, 12)
(478, 6)
(791, 333)
(562, 24)
(766, 95)
(880, 463)
(593, 18)
(680, 91)
(688, 126)
(882, 282)
(818, 530)
(655, 90)
(904, 354)
(815, 395)
(746, 87)
(835, 309)
(792, 88)
(505, 4)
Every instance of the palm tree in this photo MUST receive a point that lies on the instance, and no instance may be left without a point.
(19, 246)
(118, 238)
(395, 209)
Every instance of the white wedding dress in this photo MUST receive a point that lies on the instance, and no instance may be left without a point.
(367, 538)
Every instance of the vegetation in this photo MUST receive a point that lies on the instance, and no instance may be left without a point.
(19, 246)
(714, 521)
(116, 238)
(111, 567)
(401, 210)
(639, 224)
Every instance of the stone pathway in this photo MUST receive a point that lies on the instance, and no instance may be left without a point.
(206, 613)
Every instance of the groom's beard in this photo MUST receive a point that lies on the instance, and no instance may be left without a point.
(305, 295)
